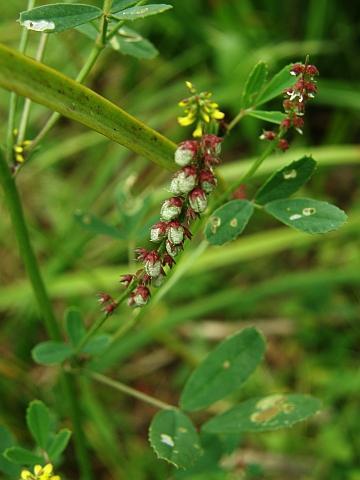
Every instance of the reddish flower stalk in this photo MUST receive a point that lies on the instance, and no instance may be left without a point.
(191, 185)
(295, 99)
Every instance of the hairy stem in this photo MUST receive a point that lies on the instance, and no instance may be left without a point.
(128, 390)
(26, 251)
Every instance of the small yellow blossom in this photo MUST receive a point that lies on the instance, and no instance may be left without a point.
(199, 109)
(40, 473)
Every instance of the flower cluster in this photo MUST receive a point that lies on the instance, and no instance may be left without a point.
(190, 187)
(199, 109)
(294, 103)
(40, 473)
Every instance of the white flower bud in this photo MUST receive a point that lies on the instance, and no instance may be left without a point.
(198, 200)
(175, 233)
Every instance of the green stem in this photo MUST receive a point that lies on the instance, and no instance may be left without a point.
(243, 112)
(13, 97)
(26, 251)
(83, 74)
(128, 390)
(27, 104)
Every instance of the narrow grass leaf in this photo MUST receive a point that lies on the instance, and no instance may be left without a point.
(134, 13)
(272, 117)
(174, 438)
(262, 414)
(38, 422)
(228, 221)
(224, 370)
(58, 17)
(277, 84)
(22, 456)
(58, 444)
(286, 181)
(254, 84)
(51, 353)
(307, 215)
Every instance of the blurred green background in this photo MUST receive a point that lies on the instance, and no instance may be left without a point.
(302, 291)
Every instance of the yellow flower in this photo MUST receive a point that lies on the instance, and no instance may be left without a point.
(198, 130)
(40, 473)
(185, 121)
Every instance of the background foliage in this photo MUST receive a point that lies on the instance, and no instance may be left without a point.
(301, 291)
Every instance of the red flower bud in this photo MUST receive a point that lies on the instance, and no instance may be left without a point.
(296, 69)
(267, 135)
(184, 180)
(152, 263)
(104, 298)
(283, 144)
(175, 232)
(126, 279)
(139, 296)
(171, 208)
(207, 181)
(312, 70)
(198, 200)
(158, 231)
(168, 260)
(186, 152)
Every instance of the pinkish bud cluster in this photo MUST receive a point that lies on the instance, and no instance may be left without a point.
(294, 103)
(107, 302)
(190, 186)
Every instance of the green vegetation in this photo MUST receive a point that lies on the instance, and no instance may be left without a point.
(84, 195)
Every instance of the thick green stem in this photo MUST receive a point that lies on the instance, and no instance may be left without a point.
(13, 97)
(128, 390)
(28, 256)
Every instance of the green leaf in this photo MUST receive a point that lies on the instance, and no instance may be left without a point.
(276, 86)
(22, 456)
(58, 444)
(97, 345)
(267, 413)
(74, 326)
(51, 353)
(6, 441)
(143, 11)
(89, 30)
(58, 17)
(48, 87)
(286, 181)
(174, 438)
(119, 5)
(228, 221)
(272, 117)
(93, 224)
(38, 422)
(254, 84)
(307, 215)
(129, 42)
(224, 370)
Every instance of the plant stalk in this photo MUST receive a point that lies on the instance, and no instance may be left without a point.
(128, 390)
(26, 251)
(13, 96)
(27, 104)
